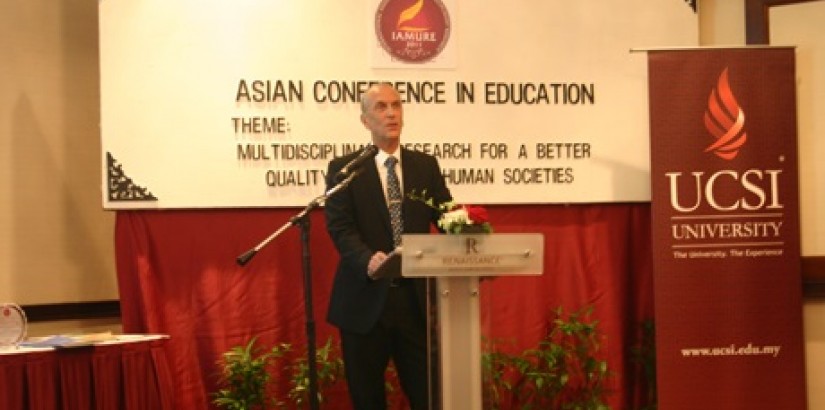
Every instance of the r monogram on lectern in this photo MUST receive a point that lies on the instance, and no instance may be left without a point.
(470, 245)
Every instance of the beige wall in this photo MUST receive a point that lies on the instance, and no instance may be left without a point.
(57, 241)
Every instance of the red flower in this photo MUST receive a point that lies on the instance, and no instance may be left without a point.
(477, 214)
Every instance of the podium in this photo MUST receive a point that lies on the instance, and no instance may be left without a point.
(457, 262)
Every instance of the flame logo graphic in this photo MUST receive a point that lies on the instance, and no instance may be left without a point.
(725, 120)
(406, 18)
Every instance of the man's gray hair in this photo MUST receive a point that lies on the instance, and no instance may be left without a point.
(371, 89)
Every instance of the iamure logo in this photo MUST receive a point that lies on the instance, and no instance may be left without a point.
(412, 31)
(725, 120)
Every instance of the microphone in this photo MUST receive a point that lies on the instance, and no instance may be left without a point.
(356, 163)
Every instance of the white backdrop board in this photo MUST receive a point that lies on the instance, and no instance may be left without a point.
(243, 103)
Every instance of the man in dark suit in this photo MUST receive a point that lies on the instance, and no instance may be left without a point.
(382, 318)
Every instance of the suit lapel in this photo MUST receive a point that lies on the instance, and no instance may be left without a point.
(412, 179)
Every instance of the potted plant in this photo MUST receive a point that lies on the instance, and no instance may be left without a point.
(564, 371)
(330, 369)
(245, 374)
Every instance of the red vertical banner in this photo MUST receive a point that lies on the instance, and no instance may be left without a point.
(725, 207)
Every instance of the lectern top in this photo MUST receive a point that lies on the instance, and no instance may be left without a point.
(427, 255)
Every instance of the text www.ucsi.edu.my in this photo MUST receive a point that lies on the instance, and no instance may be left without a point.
(732, 350)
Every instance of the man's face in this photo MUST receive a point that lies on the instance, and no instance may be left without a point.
(383, 114)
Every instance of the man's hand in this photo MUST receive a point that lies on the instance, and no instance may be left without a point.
(376, 260)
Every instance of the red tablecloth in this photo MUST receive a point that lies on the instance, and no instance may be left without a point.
(131, 375)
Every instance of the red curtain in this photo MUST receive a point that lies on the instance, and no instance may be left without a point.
(178, 276)
(130, 376)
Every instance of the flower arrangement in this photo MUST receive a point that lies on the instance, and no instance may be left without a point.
(455, 218)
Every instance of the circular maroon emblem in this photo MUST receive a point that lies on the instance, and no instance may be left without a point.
(413, 31)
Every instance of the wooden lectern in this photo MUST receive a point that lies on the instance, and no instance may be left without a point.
(457, 262)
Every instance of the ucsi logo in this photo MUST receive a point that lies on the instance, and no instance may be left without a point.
(725, 120)
(725, 190)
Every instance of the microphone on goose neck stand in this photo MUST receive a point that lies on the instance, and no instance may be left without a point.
(369, 153)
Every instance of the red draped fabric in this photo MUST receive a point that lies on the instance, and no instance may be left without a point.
(131, 376)
(22, 374)
(178, 276)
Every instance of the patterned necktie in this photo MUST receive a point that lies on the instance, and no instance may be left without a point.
(394, 197)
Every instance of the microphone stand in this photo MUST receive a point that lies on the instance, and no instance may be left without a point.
(301, 219)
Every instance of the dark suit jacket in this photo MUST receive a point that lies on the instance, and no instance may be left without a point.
(358, 222)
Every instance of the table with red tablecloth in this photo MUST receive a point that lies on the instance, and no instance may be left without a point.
(123, 373)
